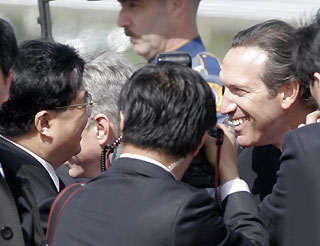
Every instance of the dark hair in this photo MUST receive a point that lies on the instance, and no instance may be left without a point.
(41, 80)
(8, 46)
(167, 108)
(275, 37)
(306, 52)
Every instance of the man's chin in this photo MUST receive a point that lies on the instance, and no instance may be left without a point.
(244, 142)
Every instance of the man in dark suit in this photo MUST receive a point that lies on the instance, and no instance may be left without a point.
(41, 123)
(166, 111)
(302, 146)
(264, 100)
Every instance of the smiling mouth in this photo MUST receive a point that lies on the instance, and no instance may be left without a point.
(239, 121)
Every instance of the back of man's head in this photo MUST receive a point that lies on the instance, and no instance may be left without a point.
(8, 46)
(306, 52)
(42, 79)
(167, 108)
(104, 76)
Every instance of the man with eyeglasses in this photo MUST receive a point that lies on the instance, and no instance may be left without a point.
(42, 122)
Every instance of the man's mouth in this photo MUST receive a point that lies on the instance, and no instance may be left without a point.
(128, 33)
(239, 121)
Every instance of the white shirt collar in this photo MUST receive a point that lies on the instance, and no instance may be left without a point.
(44, 163)
(1, 171)
(147, 159)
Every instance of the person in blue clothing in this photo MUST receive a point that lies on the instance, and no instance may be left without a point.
(156, 26)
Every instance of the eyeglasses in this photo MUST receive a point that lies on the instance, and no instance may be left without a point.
(88, 105)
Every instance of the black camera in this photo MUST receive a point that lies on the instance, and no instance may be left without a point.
(200, 173)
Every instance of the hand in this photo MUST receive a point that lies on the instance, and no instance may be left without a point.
(228, 169)
(311, 118)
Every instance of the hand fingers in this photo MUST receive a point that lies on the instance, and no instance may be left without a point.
(313, 117)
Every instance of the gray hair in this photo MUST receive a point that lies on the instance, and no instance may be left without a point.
(104, 76)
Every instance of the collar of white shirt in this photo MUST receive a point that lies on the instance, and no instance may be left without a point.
(44, 163)
(147, 159)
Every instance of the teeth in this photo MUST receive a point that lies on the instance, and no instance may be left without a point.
(239, 121)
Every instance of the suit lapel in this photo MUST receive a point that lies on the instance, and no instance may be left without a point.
(17, 163)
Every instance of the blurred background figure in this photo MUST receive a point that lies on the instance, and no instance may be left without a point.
(170, 25)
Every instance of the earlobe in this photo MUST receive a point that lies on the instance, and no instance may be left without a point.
(201, 144)
(316, 77)
(289, 93)
(7, 86)
(177, 7)
(121, 121)
(41, 122)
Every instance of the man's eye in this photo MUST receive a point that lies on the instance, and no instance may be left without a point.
(132, 5)
(238, 91)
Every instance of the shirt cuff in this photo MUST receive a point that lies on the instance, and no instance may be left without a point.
(233, 186)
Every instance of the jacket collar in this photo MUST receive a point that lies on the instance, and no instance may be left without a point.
(144, 168)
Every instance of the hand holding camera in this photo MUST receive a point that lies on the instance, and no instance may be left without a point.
(228, 155)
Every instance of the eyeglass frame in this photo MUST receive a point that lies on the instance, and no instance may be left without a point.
(88, 106)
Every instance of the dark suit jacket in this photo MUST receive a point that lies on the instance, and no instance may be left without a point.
(10, 226)
(139, 203)
(302, 220)
(297, 146)
(29, 182)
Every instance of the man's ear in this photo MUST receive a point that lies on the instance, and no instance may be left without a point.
(103, 129)
(316, 77)
(121, 121)
(177, 7)
(42, 123)
(289, 92)
(7, 84)
(201, 144)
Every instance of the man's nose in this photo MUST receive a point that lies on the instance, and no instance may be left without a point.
(123, 19)
(227, 105)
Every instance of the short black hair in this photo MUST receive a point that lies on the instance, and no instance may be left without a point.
(306, 52)
(8, 46)
(167, 108)
(41, 80)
